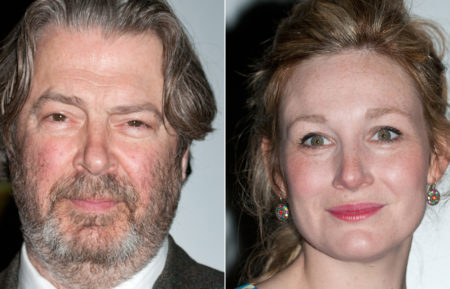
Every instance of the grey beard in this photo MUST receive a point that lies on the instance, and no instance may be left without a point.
(79, 262)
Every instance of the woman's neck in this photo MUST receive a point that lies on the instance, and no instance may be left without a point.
(314, 269)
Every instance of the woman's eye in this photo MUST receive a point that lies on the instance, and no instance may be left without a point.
(136, 123)
(314, 140)
(58, 117)
(387, 134)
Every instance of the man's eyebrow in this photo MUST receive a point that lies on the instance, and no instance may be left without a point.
(374, 113)
(76, 101)
(125, 109)
(57, 97)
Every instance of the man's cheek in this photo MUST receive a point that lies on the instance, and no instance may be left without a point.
(139, 165)
(46, 164)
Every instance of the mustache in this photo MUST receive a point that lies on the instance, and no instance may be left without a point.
(85, 187)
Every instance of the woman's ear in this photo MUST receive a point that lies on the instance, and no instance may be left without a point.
(438, 164)
(273, 174)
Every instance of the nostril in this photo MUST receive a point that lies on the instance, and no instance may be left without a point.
(351, 175)
(95, 157)
(96, 160)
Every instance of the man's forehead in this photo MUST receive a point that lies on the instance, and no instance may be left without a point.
(73, 62)
(98, 44)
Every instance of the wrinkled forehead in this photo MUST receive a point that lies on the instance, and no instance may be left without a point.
(62, 46)
(128, 63)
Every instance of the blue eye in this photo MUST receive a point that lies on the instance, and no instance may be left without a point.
(314, 140)
(387, 134)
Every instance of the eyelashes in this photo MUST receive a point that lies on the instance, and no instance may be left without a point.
(383, 135)
(137, 124)
(130, 126)
(387, 134)
(314, 140)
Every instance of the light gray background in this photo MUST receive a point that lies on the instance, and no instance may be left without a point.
(429, 263)
(429, 260)
(199, 224)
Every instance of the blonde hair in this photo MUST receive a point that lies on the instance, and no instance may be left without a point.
(319, 27)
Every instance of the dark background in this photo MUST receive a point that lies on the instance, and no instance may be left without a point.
(245, 44)
(11, 239)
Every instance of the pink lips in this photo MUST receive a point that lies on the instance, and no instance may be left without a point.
(355, 212)
(94, 205)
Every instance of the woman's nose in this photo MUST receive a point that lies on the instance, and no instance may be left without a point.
(353, 171)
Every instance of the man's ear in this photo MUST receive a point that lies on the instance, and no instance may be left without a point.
(274, 176)
(184, 164)
(438, 164)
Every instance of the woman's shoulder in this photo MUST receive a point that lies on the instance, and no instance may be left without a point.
(247, 286)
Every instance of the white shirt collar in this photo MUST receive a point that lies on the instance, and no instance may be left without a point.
(29, 277)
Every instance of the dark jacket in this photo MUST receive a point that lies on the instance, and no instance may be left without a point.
(180, 271)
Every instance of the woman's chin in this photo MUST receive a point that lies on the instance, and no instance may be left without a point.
(362, 247)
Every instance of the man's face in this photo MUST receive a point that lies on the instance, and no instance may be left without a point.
(94, 174)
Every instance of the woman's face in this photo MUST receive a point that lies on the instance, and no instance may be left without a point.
(354, 154)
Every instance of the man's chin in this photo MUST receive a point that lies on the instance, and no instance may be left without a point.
(100, 237)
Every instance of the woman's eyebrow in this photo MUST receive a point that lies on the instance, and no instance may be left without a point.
(373, 113)
(315, 118)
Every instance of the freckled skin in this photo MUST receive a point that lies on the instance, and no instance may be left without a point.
(354, 168)
(347, 99)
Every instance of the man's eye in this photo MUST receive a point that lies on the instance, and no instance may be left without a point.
(58, 117)
(136, 123)
(387, 134)
(314, 140)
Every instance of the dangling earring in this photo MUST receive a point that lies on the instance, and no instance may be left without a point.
(282, 211)
(433, 196)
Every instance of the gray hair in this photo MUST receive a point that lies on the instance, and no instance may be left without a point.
(188, 101)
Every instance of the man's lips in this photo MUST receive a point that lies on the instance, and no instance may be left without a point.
(95, 205)
(355, 212)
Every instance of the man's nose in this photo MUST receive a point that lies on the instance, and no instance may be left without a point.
(95, 156)
(353, 170)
